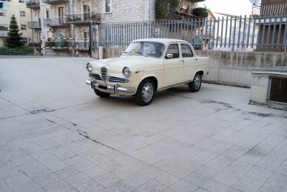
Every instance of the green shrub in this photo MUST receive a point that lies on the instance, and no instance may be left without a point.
(23, 49)
(200, 12)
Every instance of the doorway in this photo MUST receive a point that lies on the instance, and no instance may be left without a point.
(86, 11)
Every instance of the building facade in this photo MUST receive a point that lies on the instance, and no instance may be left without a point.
(71, 18)
(22, 14)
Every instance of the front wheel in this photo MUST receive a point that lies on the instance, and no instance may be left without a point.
(195, 85)
(101, 94)
(145, 92)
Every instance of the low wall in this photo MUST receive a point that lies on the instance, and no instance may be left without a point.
(231, 68)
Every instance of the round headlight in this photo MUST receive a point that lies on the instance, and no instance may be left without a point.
(89, 67)
(126, 71)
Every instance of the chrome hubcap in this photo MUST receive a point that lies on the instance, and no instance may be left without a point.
(147, 92)
(197, 81)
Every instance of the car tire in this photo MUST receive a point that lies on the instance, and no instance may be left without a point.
(195, 85)
(145, 92)
(101, 94)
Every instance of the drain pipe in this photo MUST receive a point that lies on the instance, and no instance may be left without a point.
(32, 32)
(73, 7)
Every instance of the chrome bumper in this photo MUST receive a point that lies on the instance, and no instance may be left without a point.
(116, 88)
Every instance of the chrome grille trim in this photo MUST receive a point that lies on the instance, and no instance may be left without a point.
(116, 79)
(96, 76)
(104, 72)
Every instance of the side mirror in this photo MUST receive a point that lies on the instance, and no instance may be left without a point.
(169, 56)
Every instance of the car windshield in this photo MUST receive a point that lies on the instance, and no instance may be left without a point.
(149, 49)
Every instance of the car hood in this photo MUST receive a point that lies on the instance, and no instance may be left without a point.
(133, 62)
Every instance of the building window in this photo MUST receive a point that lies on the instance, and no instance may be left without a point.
(21, 1)
(108, 6)
(22, 13)
(3, 13)
(4, 41)
(23, 27)
(3, 28)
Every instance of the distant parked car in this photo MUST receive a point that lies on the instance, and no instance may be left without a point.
(147, 66)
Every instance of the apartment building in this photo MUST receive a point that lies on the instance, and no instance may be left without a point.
(71, 18)
(22, 14)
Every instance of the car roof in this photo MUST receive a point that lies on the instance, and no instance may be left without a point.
(161, 40)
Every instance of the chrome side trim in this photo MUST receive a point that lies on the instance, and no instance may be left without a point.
(170, 86)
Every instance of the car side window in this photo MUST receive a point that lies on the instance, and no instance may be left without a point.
(186, 51)
(173, 49)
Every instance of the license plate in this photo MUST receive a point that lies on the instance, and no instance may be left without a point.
(102, 87)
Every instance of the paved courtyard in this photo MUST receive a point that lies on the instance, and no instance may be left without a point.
(57, 135)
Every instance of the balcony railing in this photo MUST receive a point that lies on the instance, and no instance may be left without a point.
(55, 22)
(267, 9)
(54, 1)
(33, 4)
(34, 24)
(3, 33)
(84, 18)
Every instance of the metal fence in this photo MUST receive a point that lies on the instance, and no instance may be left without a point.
(238, 33)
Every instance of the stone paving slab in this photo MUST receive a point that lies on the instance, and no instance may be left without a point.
(56, 135)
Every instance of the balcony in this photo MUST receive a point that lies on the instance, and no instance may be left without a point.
(34, 24)
(55, 22)
(262, 9)
(84, 18)
(33, 4)
(55, 1)
(4, 33)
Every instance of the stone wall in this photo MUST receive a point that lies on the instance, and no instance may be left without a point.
(230, 68)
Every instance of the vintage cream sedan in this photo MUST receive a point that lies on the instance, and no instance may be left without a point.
(148, 66)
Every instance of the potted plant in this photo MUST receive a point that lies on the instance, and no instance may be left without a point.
(71, 19)
(78, 19)
(95, 18)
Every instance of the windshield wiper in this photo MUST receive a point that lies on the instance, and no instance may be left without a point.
(141, 53)
(127, 53)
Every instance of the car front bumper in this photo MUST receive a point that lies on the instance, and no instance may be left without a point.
(115, 88)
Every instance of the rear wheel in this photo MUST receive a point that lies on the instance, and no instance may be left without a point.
(195, 85)
(145, 92)
(101, 94)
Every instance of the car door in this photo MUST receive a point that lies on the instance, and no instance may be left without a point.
(190, 62)
(173, 66)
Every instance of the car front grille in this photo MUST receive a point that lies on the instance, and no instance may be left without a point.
(104, 72)
(96, 76)
(115, 79)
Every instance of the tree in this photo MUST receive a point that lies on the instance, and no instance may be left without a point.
(15, 39)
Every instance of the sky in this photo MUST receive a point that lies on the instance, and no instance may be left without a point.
(232, 7)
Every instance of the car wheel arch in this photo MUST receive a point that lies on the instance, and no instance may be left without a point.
(199, 71)
(152, 78)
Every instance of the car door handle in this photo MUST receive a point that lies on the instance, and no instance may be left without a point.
(195, 59)
(181, 60)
